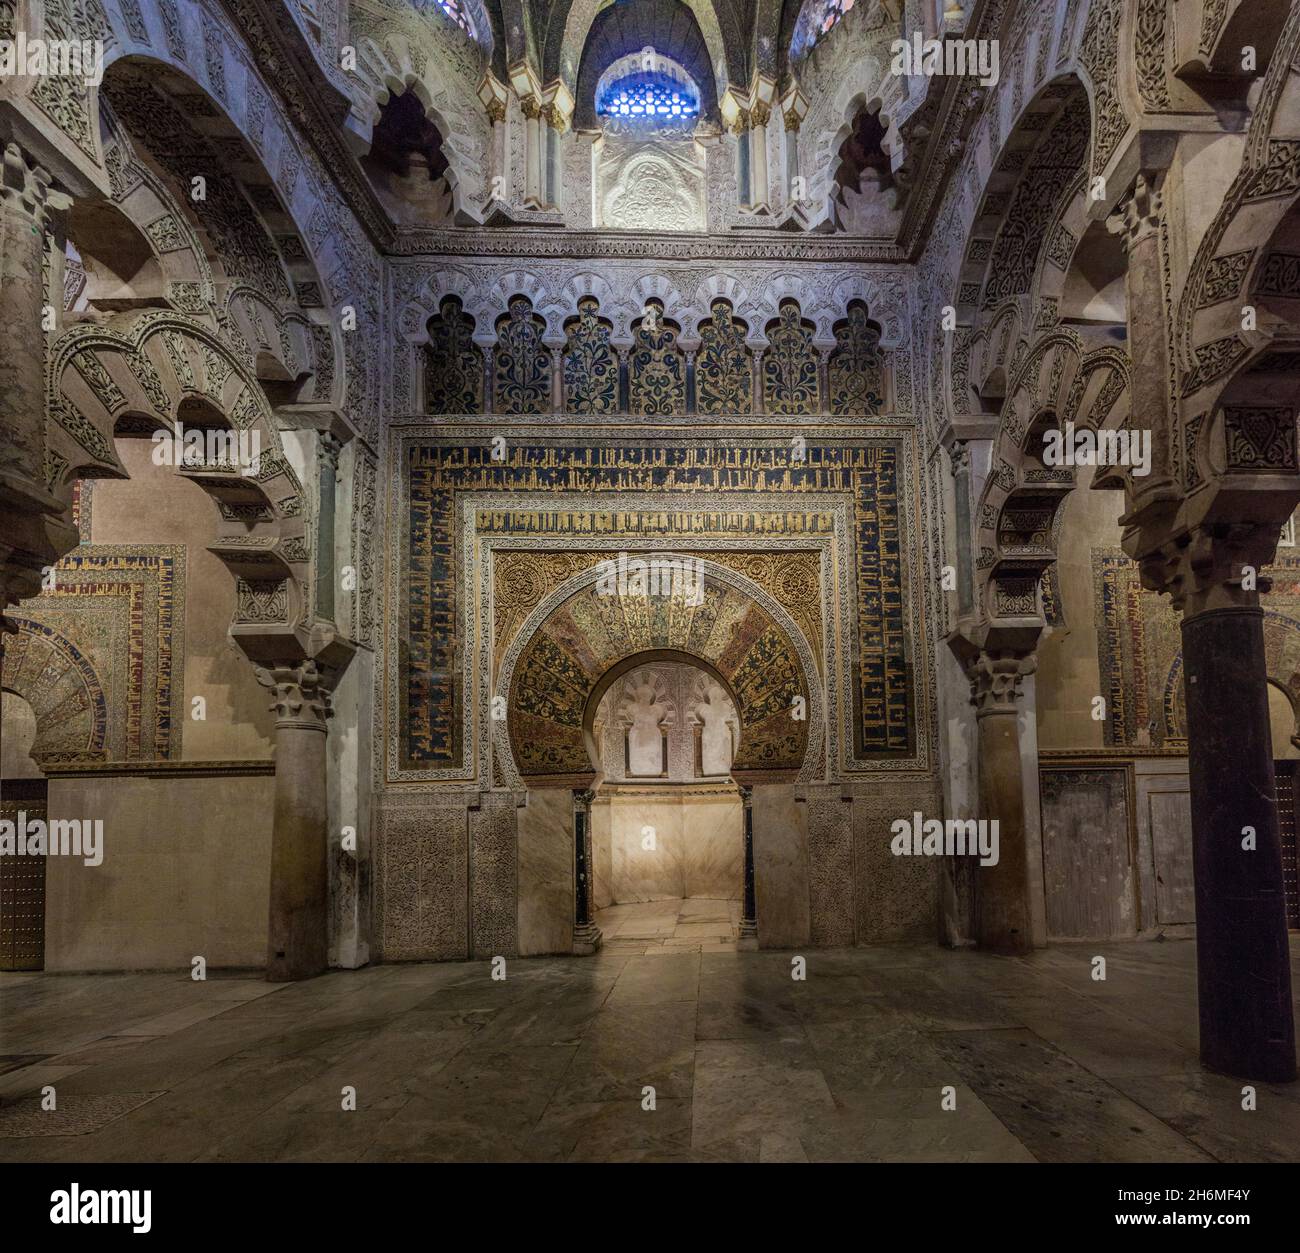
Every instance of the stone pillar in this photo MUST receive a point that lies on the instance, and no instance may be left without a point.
(1243, 970)
(1137, 221)
(328, 448)
(759, 405)
(532, 110)
(33, 531)
(298, 932)
(1003, 915)
(586, 935)
(749, 905)
(760, 194)
(690, 381)
(959, 455)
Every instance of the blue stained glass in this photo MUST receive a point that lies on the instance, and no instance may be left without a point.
(649, 94)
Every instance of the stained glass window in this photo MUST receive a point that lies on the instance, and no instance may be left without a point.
(817, 19)
(454, 10)
(648, 95)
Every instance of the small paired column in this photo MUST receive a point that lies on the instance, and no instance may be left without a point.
(532, 111)
(586, 935)
(749, 904)
(298, 931)
(759, 115)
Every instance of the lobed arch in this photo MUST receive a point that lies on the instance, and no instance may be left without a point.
(756, 649)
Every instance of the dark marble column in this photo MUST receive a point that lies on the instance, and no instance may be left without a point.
(1242, 964)
(749, 907)
(586, 935)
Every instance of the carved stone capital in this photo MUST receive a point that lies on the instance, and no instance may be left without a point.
(301, 694)
(1212, 567)
(760, 114)
(583, 796)
(959, 455)
(23, 188)
(995, 681)
(531, 107)
(496, 111)
(330, 447)
(1137, 217)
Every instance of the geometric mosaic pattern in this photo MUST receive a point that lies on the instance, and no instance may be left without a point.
(1139, 649)
(100, 658)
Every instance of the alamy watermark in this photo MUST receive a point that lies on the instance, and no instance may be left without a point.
(22, 57)
(60, 837)
(681, 578)
(976, 58)
(919, 836)
(1087, 447)
(213, 449)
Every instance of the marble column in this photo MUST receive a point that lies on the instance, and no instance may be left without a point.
(532, 110)
(298, 932)
(1243, 968)
(328, 448)
(760, 193)
(1003, 914)
(959, 455)
(586, 935)
(498, 150)
(759, 406)
(749, 903)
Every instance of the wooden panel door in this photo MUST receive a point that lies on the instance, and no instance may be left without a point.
(22, 884)
(1088, 868)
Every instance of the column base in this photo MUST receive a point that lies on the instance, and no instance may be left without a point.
(587, 939)
(748, 941)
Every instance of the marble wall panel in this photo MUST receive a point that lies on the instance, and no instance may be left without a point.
(421, 906)
(186, 873)
(546, 872)
(781, 866)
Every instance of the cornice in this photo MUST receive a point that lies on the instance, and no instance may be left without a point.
(422, 242)
(315, 104)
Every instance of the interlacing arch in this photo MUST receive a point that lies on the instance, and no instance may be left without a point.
(1233, 267)
(145, 368)
(1057, 382)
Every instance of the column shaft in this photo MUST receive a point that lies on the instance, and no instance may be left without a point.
(1242, 963)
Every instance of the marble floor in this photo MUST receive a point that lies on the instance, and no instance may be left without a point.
(691, 925)
(554, 1062)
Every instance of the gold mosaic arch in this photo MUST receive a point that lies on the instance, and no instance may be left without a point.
(589, 635)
